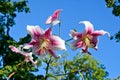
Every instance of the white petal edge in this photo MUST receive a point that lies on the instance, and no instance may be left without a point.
(87, 24)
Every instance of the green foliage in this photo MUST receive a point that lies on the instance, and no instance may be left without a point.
(109, 3)
(13, 66)
(87, 66)
(115, 5)
(116, 36)
(118, 78)
(82, 66)
(8, 11)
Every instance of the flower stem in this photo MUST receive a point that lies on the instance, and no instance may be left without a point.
(69, 40)
(59, 29)
(47, 68)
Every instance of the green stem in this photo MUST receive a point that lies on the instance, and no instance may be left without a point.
(47, 68)
(59, 29)
(69, 40)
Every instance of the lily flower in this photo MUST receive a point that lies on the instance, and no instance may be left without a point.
(54, 19)
(44, 42)
(87, 39)
(27, 55)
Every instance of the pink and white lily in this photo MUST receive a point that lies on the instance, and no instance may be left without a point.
(44, 42)
(54, 19)
(27, 55)
(89, 38)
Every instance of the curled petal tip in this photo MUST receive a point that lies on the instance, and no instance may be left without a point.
(59, 56)
(65, 49)
(59, 10)
(96, 48)
(84, 22)
(108, 34)
(10, 46)
(70, 35)
(105, 32)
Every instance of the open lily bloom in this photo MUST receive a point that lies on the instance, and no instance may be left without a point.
(27, 55)
(89, 38)
(53, 19)
(44, 42)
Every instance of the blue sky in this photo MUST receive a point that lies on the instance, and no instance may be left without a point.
(74, 11)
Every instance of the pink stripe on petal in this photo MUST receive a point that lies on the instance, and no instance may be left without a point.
(84, 48)
(88, 27)
(94, 40)
(56, 14)
(52, 53)
(76, 44)
(35, 31)
(33, 42)
(57, 43)
(37, 50)
(48, 32)
(14, 49)
(75, 34)
(79, 44)
(40, 52)
(100, 33)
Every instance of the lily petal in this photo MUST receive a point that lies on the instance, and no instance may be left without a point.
(88, 27)
(94, 41)
(76, 44)
(14, 49)
(53, 19)
(75, 34)
(29, 45)
(29, 58)
(48, 32)
(84, 48)
(34, 31)
(57, 43)
(100, 33)
(49, 20)
(56, 14)
(53, 53)
(42, 43)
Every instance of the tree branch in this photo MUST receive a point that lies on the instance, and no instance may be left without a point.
(11, 75)
(8, 29)
(67, 73)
